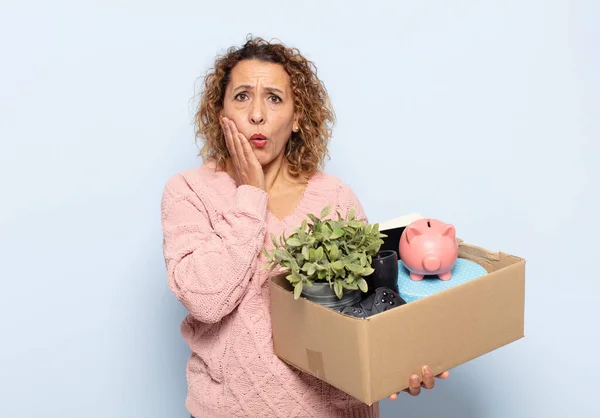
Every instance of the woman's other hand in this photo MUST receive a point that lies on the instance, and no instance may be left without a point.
(415, 383)
(247, 169)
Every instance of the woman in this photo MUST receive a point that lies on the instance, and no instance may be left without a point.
(264, 116)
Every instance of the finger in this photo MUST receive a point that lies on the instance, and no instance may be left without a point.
(239, 150)
(228, 138)
(247, 150)
(393, 396)
(443, 375)
(234, 130)
(428, 381)
(414, 385)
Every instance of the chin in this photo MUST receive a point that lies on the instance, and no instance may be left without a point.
(262, 159)
(265, 160)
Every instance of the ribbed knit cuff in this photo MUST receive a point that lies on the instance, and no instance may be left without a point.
(252, 201)
(365, 412)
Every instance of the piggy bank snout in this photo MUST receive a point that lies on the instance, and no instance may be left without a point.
(431, 263)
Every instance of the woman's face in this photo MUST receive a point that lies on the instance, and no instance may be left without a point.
(260, 101)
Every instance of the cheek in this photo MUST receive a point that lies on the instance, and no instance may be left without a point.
(231, 111)
(281, 138)
(235, 115)
(284, 128)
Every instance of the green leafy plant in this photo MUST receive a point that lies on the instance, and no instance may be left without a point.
(338, 251)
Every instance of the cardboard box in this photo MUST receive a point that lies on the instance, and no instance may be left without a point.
(372, 358)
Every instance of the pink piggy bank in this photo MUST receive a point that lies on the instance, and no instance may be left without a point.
(429, 247)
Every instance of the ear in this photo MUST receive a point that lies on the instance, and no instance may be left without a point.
(412, 232)
(296, 121)
(449, 231)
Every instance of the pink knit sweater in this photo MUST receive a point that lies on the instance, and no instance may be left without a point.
(213, 236)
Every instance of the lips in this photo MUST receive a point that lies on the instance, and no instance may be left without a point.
(258, 140)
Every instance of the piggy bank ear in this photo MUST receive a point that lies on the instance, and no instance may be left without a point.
(412, 232)
(449, 231)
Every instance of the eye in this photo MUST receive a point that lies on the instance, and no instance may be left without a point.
(275, 98)
(238, 96)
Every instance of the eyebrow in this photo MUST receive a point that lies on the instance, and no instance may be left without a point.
(268, 88)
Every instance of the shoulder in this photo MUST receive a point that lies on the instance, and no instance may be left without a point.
(196, 180)
(201, 186)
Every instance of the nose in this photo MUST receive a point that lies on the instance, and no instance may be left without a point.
(256, 114)
(431, 263)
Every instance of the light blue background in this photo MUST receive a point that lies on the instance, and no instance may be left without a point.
(485, 114)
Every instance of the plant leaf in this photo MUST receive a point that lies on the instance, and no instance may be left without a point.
(363, 259)
(306, 252)
(337, 233)
(325, 211)
(338, 265)
(337, 287)
(351, 286)
(274, 240)
(351, 213)
(367, 271)
(309, 268)
(282, 255)
(334, 253)
(313, 218)
(354, 268)
(319, 254)
(297, 290)
(293, 242)
(358, 225)
(294, 278)
(362, 285)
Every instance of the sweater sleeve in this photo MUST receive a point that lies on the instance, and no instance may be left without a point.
(209, 265)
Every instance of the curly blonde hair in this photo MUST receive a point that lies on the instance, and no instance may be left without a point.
(307, 149)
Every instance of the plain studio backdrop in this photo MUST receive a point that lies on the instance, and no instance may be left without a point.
(482, 114)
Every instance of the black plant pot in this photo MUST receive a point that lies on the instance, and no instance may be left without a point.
(385, 264)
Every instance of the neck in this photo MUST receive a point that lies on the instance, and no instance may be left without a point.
(276, 173)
